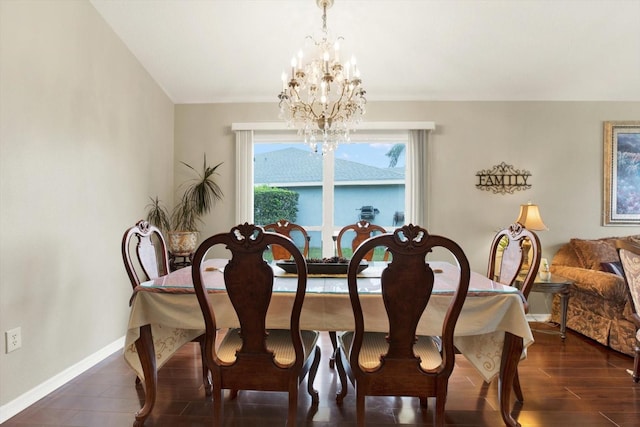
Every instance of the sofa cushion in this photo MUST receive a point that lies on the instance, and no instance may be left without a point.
(592, 253)
(567, 256)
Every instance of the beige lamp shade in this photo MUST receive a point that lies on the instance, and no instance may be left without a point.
(530, 217)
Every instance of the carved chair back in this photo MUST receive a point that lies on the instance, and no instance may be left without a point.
(363, 230)
(150, 259)
(289, 229)
(513, 243)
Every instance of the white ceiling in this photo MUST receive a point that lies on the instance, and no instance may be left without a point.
(202, 51)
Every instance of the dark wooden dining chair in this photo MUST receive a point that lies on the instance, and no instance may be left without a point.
(630, 259)
(361, 231)
(253, 357)
(509, 249)
(144, 252)
(398, 362)
(289, 229)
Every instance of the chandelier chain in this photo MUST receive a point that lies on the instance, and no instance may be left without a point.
(324, 18)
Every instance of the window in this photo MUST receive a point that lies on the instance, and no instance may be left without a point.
(354, 182)
(351, 183)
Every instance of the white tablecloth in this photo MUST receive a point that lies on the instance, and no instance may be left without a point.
(175, 318)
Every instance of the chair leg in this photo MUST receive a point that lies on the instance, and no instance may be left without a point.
(312, 376)
(517, 390)
(342, 374)
(360, 408)
(438, 416)
(334, 343)
(293, 406)
(206, 378)
(636, 366)
(217, 406)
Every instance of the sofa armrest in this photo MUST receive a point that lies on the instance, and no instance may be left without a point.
(599, 283)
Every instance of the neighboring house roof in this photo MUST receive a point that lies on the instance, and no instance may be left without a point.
(291, 165)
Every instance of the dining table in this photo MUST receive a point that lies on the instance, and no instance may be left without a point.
(492, 332)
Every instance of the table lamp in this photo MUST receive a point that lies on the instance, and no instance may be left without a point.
(530, 218)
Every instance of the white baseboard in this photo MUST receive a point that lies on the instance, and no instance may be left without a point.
(32, 396)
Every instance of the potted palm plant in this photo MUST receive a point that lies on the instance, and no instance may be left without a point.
(198, 198)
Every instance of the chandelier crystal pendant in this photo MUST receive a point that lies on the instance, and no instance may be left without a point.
(323, 98)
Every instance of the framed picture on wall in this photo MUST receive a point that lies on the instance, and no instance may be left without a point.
(622, 173)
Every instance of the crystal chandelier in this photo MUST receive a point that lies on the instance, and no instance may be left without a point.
(323, 98)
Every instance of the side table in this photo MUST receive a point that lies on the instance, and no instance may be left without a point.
(556, 285)
(177, 261)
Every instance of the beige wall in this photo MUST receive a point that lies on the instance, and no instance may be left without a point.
(560, 143)
(85, 137)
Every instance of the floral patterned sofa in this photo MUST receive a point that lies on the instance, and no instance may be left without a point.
(599, 305)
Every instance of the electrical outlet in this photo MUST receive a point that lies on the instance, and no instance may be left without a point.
(13, 339)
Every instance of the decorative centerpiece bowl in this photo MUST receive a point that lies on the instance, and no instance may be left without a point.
(333, 265)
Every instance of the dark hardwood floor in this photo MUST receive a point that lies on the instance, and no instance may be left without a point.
(575, 383)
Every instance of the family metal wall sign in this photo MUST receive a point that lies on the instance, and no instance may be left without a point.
(503, 179)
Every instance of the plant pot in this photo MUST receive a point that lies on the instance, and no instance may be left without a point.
(182, 243)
